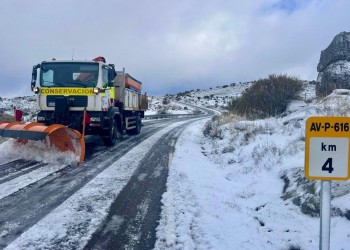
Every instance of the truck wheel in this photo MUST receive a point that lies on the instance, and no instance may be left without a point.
(120, 135)
(112, 135)
(137, 130)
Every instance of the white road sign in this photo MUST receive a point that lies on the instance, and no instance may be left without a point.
(329, 157)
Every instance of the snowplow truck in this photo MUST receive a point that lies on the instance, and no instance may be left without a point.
(78, 98)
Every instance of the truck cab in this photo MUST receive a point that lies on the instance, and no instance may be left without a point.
(89, 96)
(84, 83)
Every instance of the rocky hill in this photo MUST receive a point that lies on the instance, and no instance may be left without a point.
(334, 65)
(180, 103)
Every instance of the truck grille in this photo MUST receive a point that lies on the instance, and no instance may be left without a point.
(74, 101)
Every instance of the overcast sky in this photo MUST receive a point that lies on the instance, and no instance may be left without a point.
(173, 45)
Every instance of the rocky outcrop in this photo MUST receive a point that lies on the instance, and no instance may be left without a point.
(306, 194)
(334, 65)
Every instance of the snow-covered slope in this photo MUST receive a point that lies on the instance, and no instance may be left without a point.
(238, 184)
(27, 104)
(164, 105)
(217, 98)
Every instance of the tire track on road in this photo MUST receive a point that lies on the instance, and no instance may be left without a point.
(78, 216)
(134, 215)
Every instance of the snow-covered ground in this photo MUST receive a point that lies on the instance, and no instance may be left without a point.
(232, 184)
(163, 105)
(227, 190)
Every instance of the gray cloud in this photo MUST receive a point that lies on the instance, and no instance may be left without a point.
(170, 45)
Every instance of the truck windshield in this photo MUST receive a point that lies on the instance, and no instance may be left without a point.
(69, 74)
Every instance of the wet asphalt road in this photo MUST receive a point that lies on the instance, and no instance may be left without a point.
(133, 216)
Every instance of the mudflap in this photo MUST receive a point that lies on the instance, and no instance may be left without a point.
(57, 136)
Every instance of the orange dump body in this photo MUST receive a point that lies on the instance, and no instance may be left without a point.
(132, 82)
(56, 135)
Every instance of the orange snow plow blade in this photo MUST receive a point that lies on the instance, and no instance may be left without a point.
(58, 136)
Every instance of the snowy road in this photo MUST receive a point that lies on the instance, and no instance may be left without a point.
(112, 200)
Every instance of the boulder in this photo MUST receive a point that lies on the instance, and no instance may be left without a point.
(305, 193)
(334, 65)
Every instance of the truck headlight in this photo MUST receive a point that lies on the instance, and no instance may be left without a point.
(36, 90)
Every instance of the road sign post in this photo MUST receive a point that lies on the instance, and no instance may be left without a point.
(325, 216)
(327, 155)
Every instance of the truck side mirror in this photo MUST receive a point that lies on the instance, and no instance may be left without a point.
(111, 76)
(34, 75)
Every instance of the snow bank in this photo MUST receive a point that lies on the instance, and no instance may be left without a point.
(35, 150)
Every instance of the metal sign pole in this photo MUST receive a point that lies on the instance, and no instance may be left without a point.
(325, 218)
(327, 158)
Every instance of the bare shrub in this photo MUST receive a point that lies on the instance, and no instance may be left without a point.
(262, 155)
(267, 97)
(331, 108)
(166, 101)
(212, 128)
(162, 111)
(196, 112)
